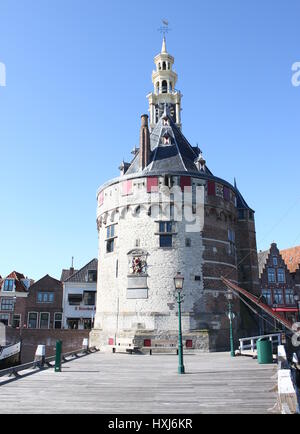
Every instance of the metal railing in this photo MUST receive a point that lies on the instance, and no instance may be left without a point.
(250, 343)
(38, 366)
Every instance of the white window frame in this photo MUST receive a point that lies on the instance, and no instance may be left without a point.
(37, 320)
(41, 313)
(12, 319)
(7, 299)
(281, 272)
(7, 315)
(58, 313)
(8, 290)
(273, 273)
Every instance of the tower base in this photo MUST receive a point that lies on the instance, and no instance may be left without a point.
(159, 341)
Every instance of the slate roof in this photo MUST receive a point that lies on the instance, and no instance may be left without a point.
(46, 278)
(240, 201)
(176, 157)
(81, 275)
(66, 273)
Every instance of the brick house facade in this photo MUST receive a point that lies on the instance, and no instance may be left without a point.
(44, 304)
(13, 297)
(279, 284)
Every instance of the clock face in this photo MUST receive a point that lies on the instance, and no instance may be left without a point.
(159, 110)
(172, 112)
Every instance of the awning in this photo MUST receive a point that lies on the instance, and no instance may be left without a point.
(75, 297)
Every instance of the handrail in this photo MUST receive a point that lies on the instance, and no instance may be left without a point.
(16, 369)
(261, 336)
(253, 339)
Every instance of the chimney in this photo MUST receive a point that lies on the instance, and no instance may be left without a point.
(144, 143)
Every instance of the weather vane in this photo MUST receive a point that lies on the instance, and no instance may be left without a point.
(165, 27)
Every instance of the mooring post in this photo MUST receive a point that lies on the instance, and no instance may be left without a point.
(39, 358)
(57, 367)
(85, 345)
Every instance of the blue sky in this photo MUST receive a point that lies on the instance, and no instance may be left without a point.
(78, 72)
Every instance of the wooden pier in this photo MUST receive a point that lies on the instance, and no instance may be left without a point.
(122, 383)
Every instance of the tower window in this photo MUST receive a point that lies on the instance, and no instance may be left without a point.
(110, 241)
(110, 246)
(165, 237)
(165, 241)
(165, 227)
(164, 66)
(164, 86)
(188, 242)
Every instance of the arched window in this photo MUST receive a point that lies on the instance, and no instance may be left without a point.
(159, 66)
(164, 66)
(164, 86)
(157, 87)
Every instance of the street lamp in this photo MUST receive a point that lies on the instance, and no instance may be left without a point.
(178, 282)
(296, 298)
(229, 296)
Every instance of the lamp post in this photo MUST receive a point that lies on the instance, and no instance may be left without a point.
(229, 297)
(296, 298)
(178, 282)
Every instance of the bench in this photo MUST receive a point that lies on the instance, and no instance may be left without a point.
(161, 346)
(124, 345)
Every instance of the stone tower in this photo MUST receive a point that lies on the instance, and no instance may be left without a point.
(167, 213)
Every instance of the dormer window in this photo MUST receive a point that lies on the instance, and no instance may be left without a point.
(8, 285)
(92, 276)
(167, 140)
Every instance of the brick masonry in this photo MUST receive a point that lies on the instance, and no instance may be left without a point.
(71, 340)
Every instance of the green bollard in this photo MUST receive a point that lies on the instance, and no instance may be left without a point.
(58, 356)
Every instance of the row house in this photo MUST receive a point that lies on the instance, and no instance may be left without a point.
(14, 290)
(44, 304)
(28, 304)
(50, 303)
(79, 297)
(279, 275)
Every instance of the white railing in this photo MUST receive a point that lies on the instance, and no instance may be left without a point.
(250, 343)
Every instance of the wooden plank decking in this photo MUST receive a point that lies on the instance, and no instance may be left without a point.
(121, 383)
